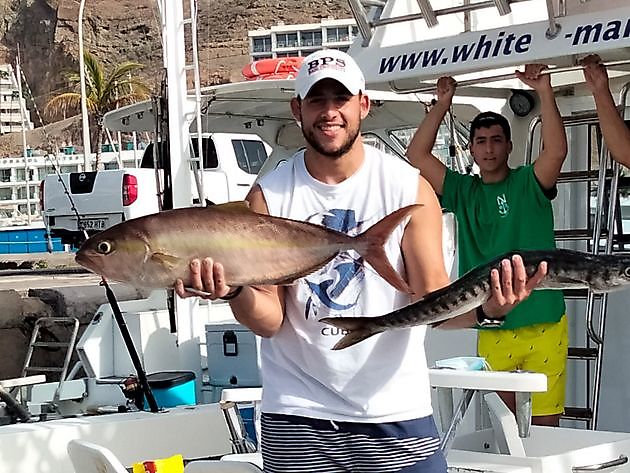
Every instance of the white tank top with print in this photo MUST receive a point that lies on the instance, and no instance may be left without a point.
(381, 379)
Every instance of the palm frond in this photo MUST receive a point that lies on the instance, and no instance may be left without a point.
(62, 104)
(120, 79)
(94, 76)
(104, 92)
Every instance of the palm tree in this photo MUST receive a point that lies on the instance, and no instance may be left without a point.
(103, 92)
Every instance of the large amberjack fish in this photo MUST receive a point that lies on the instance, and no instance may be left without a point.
(566, 269)
(154, 250)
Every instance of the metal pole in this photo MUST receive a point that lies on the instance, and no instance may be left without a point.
(180, 107)
(180, 112)
(18, 73)
(554, 28)
(135, 149)
(84, 113)
(429, 88)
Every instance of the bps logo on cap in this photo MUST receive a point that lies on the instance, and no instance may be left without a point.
(324, 63)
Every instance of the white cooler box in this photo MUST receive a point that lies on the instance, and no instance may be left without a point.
(233, 356)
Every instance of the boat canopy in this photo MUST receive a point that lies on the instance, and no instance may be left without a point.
(405, 45)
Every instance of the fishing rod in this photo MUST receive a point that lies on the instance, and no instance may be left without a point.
(135, 359)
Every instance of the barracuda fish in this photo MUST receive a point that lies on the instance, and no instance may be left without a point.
(566, 269)
(155, 250)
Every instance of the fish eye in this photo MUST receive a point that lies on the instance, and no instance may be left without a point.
(104, 247)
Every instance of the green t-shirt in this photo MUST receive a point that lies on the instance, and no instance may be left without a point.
(492, 219)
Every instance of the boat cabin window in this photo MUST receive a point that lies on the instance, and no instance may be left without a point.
(378, 143)
(445, 145)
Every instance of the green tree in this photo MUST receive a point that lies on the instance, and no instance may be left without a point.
(104, 92)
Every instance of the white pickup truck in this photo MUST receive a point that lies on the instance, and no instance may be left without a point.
(94, 201)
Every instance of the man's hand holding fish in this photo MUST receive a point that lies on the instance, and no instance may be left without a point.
(511, 285)
(207, 280)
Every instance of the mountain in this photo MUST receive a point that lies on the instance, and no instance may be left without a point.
(46, 33)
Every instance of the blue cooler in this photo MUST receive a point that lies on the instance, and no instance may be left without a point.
(172, 388)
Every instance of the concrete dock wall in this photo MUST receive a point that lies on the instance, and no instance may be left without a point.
(19, 312)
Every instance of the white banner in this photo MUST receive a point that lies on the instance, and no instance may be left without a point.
(496, 48)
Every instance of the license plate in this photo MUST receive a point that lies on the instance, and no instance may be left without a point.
(92, 224)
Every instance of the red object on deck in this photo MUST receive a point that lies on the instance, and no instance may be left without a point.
(274, 68)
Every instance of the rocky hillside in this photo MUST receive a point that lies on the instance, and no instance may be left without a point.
(118, 30)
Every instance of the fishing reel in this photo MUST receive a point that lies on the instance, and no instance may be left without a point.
(133, 391)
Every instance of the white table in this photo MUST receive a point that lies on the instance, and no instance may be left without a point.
(522, 383)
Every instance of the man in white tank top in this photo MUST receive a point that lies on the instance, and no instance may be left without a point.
(366, 408)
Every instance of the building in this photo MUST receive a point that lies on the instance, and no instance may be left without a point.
(10, 103)
(301, 40)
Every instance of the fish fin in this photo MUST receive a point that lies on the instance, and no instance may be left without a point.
(358, 330)
(165, 260)
(232, 206)
(560, 282)
(372, 246)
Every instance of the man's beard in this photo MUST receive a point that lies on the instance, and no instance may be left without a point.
(309, 136)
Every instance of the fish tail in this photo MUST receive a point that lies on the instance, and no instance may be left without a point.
(372, 246)
(358, 329)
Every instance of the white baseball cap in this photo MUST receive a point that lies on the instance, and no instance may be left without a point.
(329, 64)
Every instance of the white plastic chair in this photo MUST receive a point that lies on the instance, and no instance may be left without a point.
(221, 466)
(88, 457)
(245, 451)
(230, 399)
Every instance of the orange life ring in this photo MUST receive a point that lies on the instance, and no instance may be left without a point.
(280, 65)
(280, 75)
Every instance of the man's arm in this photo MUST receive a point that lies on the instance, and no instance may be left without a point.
(260, 308)
(424, 261)
(547, 166)
(420, 149)
(616, 133)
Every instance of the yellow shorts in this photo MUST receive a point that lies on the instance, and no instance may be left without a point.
(541, 348)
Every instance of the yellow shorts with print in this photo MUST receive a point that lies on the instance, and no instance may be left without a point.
(541, 348)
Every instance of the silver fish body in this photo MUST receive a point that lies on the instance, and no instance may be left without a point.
(155, 250)
(566, 269)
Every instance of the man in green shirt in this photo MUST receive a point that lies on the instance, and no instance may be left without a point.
(502, 210)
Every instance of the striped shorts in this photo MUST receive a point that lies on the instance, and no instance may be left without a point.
(301, 444)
